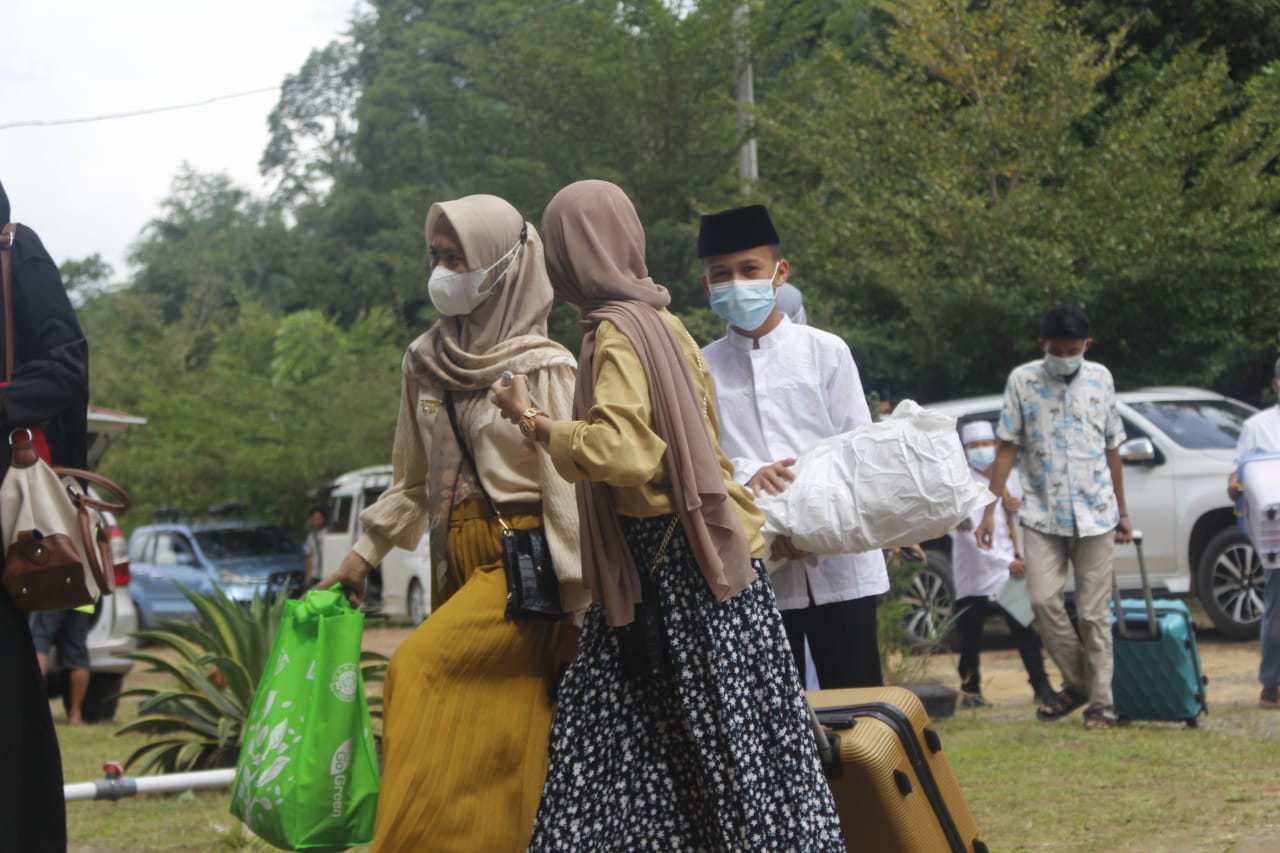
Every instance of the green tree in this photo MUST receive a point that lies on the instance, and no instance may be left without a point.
(313, 125)
(242, 399)
(1246, 31)
(253, 426)
(968, 170)
(85, 275)
(519, 99)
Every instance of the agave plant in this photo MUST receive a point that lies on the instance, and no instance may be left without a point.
(197, 719)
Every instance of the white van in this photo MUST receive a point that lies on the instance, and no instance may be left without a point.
(401, 585)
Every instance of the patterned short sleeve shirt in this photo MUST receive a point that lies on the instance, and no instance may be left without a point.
(1063, 430)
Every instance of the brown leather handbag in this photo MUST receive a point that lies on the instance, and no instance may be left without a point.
(56, 556)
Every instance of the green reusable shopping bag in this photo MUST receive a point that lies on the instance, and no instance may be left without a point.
(307, 777)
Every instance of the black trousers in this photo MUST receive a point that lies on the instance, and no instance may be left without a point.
(972, 615)
(842, 640)
(33, 815)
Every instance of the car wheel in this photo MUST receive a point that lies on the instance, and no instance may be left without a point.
(1230, 583)
(416, 603)
(929, 600)
(101, 699)
(145, 622)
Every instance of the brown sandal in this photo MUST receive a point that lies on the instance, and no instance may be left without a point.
(1064, 702)
(1096, 718)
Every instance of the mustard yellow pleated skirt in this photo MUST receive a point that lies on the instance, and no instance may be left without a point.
(466, 713)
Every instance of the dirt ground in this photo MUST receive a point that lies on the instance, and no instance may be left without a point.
(1231, 666)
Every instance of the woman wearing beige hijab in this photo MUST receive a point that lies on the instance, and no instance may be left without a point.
(681, 723)
(467, 709)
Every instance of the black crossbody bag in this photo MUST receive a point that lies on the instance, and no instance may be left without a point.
(533, 592)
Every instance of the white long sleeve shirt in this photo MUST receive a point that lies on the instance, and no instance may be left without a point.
(801, 385)
(1260, 433)
(978, 571)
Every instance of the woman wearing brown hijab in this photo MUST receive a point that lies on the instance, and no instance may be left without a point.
(466, 707)
(681, 723)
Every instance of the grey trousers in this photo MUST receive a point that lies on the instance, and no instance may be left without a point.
(1085, 660)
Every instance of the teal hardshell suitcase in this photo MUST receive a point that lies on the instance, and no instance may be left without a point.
(1157, 673)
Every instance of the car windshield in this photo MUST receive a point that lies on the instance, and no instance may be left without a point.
(1197, 424)
(246, 542)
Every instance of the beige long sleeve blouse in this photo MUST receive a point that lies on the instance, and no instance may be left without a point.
(513, 469)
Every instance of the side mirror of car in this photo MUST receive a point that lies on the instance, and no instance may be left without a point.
(1138, 451)
(185, 559)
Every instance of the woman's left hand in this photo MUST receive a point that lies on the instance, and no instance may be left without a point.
(512, 398)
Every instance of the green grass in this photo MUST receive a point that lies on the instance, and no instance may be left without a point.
(1032, 786)
(177, 823)
(191, 821)
(1037, 786)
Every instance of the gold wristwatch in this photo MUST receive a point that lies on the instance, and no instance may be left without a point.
(526, 424)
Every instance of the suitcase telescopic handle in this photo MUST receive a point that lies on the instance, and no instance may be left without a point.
(826, 749)
(1152, 624)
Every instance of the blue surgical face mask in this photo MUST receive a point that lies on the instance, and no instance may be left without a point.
(745, 304)
(981, 458)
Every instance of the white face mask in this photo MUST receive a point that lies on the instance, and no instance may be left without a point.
(457, 294)
(1063, 365)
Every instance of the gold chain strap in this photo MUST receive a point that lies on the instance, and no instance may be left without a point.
(706, 412)
(702, 369)
(662, 549)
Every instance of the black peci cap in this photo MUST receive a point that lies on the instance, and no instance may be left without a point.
(734, 230)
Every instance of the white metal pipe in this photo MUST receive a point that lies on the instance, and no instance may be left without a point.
(129, 786)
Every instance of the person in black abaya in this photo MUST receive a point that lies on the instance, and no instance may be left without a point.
(50, 389)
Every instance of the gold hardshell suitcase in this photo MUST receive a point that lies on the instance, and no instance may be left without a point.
(894, 789)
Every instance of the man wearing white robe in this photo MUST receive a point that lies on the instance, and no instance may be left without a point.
(780, 388)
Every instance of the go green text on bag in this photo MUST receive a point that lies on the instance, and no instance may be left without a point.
(307, 777)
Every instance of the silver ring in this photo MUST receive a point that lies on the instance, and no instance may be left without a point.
(508, 377)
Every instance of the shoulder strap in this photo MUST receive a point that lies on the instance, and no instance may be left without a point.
(466, 454)
(7, 236)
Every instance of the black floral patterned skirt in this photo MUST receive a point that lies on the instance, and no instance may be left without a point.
(714, 755)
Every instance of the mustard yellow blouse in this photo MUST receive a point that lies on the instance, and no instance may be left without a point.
(617, 445)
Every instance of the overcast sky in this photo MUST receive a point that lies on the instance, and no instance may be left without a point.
(92, 187)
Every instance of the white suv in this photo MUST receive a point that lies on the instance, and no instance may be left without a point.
(1179, 449)
(401, 584)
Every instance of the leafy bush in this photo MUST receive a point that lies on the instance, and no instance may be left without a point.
(903, 658)
(196, 721)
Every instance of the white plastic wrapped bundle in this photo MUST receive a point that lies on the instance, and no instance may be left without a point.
(897, 482)
(1260, 481)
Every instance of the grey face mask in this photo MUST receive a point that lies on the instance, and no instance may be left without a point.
(1063, 365)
